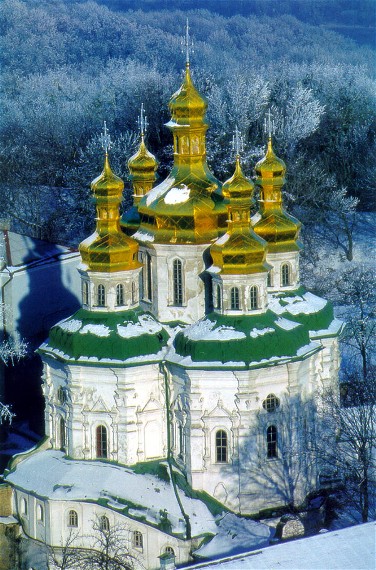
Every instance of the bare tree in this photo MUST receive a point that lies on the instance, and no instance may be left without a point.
(352, 454)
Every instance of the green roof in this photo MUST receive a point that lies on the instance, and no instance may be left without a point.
(126, 338)
(283, 333)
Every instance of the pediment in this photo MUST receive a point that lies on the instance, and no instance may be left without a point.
(99, 406)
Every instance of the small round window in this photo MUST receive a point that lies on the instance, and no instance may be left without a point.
(271, 403)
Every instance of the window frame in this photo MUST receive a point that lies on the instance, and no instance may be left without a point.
(221, 449)
(235, 299)
(101, 295)
(137, 540)
(285, 274)
(62, 433)
(104, 523)
(119, 295)
(85, 292)
(177, 282)
(72, 519)
(272, 442)
(101, 442)
(254, 298)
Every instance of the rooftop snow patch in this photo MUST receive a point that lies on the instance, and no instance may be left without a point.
(234, 535)
(159, 190)
(204, 330)
(49, 474)
(145, 324)
(141, 235)
(177, 195)
(307, 304)
(97, 330)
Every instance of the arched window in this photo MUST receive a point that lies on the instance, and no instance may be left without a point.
(23, 507)
(101, 296)
(169, 550)
(285, 274)
(119, 295)
(272, 442)
(221, 451)
(178, 282)
(138, 541)
(104, 523)
(271, 403)
(235, 299)
(40, 513)
(219, 297)
(85, 293)
(134, 296)
(101, 441)
(72, 518)
(62, 429)
(146, 276)
(269, 279)
(253, 298)
(61, 395)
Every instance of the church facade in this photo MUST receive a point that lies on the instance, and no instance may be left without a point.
(196, 348)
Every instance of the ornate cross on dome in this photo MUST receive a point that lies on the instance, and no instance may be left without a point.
(269, 125)
(187, 43)
(105, 139)
(237, 142)
(142, 121)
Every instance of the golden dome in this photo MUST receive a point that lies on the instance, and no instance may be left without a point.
(143, 161)
(270, 166)
(188, 206)
(239, 250)
(187, 104)
(108, 249)
(279, 229)
(238, 185)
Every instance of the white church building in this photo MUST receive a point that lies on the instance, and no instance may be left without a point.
(187, 383)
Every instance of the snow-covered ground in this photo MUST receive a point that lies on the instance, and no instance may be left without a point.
(351, 548)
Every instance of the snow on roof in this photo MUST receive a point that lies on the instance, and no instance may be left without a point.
(145, 324)
(335, 326)
(203, 330)
(97, 330)
(157, 191)
(286, 324)
(346, 549)
(223, 239)
(234, 534)
(307, 303)
(177, 195)
(73, 325)
(254, 333)
(49, 474)
(143, 236)
(24, 251)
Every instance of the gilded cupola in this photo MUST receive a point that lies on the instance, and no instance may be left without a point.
(188, 206)
(277, 227)
(239, 250)
(108, 249)
(142, 165)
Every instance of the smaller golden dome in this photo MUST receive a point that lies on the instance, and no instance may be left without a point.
(270, 166)
(108, 249)
(107, 183)
(186, 104)
(142, 161)
(238, 186)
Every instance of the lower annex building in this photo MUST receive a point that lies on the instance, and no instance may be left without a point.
(186, 384)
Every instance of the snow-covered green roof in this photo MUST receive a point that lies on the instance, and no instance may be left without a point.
(288, 331)
(124, 338)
